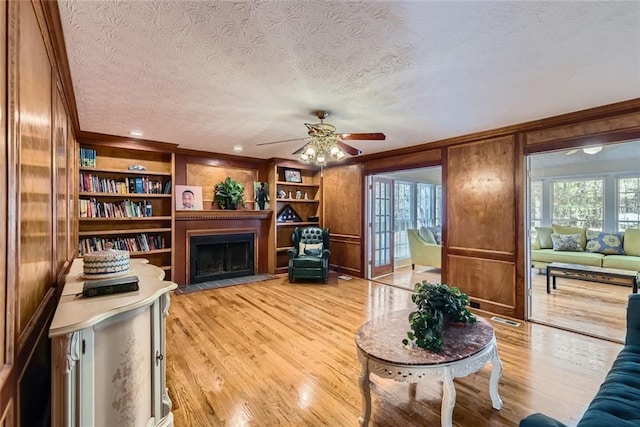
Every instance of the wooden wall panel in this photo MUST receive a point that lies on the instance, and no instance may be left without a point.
(72, 191)
(481, 196)
(342, 213)
(60, 140)
(486, 281)
(345, 254)
(342, 199)
(3, 190)
(207, 177)
(35, 158)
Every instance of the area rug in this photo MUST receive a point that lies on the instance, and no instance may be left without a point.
(197, 287)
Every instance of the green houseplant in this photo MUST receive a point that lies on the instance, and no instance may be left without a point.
(436, 306)
(229, 194)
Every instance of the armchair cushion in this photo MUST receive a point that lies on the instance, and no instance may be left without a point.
(427, 235)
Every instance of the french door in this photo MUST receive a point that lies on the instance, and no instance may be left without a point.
(381, 226)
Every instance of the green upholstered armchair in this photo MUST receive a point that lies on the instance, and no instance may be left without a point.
(309, 257)
(423, 253)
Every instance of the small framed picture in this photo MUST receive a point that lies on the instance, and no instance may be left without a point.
(188, 197)
(292, 175)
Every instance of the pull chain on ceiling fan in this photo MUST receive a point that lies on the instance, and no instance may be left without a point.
(323, 144)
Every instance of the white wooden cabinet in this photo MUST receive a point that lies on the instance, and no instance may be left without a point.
(108, 363)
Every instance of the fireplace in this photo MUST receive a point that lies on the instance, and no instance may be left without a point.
(220, 256)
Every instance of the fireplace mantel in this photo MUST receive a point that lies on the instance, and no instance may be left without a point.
(221, 214)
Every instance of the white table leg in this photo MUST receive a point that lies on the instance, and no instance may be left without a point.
(448, 398)
(496, 373)
(365, 390)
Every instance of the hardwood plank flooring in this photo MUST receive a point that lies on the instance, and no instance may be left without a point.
(274, 353)
(595, 309)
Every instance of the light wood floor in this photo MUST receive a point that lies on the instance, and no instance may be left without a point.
(274, 353)
(586, 307)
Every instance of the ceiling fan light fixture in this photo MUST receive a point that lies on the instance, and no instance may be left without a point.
(593, 150)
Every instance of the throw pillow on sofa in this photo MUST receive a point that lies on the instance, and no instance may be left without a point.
(567, 242)
(437, 233)
(311, 249)
(605, 243)
(561, 229)
(632, 241)
(544, 237)
(426, 235)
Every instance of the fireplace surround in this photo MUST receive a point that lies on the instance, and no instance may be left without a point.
(221, 256)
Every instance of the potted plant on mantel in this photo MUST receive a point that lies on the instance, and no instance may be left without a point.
(229, 194)
(436, 306)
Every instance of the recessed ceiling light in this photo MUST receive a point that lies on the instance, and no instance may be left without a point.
(237, 148)
(135, 133)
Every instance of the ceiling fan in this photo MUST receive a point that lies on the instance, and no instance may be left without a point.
(323, 143)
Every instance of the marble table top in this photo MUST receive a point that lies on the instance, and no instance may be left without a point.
(382, 337)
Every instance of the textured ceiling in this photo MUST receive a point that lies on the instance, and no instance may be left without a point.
(210, 75)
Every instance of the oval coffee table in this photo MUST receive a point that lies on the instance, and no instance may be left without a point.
(467, 348)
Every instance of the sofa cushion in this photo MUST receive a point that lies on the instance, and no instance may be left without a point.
(582, 258)
(543, 237)
(623, 262)
(632, 241)
(617, 403)
(567, 242)
(561, 229)
(437, 234)
(427, 235)
(605, 243)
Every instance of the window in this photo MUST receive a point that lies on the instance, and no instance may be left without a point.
(403, 217)
(535, 210)
(628, 203)
(428, 205)
(579, 203)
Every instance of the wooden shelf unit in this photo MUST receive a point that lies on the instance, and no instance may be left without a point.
(112, 163)
(311, 206)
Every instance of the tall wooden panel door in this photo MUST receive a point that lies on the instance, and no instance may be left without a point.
(381, 226)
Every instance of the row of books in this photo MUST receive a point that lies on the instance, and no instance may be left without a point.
(87, 158)
(134, 185)
(91, 208)
(138, 243)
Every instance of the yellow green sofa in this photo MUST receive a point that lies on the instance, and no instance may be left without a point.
(540, 258)
(422, 252)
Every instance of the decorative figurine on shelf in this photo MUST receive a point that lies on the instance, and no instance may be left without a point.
(137, 168)
(262, 195)
(281, 194)
(289, 195)
(306, 196)
(298, 194)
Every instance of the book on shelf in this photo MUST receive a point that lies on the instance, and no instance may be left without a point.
(116, 285)
(87, 157)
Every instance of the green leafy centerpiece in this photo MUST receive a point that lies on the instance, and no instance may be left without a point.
(436, 306)
(229, 194)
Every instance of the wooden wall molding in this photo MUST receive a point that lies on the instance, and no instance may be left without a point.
(93, 138)
(623, 107)
(420, 159)
(221, 214)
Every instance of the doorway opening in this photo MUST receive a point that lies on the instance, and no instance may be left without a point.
(400, 206)
(585, 194)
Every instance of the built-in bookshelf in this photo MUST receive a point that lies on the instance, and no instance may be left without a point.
(125, 198)
(302, 199)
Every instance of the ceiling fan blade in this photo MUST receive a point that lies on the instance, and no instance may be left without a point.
(363, 136)
(278, 142)
(352, 151)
